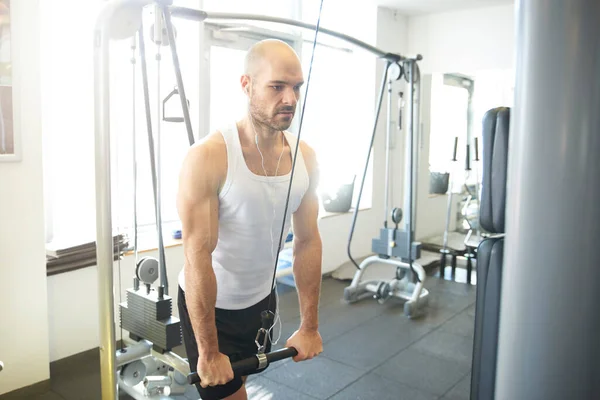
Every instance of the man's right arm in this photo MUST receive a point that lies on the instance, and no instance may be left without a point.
(198, 207)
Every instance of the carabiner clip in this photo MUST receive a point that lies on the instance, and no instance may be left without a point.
(267, 318)
(261, 344)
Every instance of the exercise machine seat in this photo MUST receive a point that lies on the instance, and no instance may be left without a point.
(495, 131)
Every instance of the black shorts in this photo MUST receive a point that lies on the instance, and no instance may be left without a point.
(236, 332)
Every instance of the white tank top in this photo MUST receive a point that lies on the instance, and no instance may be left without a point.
(244, 258)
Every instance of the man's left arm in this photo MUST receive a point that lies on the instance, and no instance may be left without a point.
(307, 264)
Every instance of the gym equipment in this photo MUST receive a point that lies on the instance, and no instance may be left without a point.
(118, 20)
(174, 92)
(394, 246)
(549, 320)
(147, 312)
(496, 123)
(469, 252)
(469, 192)
(252, 365)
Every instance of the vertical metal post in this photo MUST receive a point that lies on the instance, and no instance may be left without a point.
(409, 68)
(416, 141)
(158, 36)
(104, 238)
(388, 128)
(151, 146)
(549, 320)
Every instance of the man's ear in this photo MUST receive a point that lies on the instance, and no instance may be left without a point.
(245, 81)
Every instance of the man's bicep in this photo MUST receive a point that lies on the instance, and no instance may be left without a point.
(305, 219)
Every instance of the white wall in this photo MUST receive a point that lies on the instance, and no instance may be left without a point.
(76, 329)
(23, 298)
(464, 41)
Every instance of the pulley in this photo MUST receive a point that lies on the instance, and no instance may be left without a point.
(147, 270)
(133, 373)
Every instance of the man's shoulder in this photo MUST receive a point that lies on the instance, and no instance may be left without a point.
(211, 146)
(208, 155)
(306, 149)
(310, 157)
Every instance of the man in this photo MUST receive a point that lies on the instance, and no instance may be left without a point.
(231, 201)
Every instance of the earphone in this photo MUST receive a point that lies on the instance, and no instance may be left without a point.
(277, 318)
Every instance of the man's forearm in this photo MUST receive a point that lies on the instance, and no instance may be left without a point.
(307, 274)
(200, 296)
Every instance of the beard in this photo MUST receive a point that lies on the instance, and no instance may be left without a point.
(274, 120)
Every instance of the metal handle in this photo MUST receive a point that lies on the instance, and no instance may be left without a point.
(251, 365)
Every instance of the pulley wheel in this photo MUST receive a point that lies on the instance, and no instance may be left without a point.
(397, 215)
(164, 39)
(383, 291)
(147, 270)
(133, 373)
(395, 71)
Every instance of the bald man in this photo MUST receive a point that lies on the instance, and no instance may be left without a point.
(231, 200)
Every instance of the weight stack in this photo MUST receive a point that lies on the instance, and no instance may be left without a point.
(146, 316)
(382, 246)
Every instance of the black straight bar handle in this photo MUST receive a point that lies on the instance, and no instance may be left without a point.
(455, 148)
(468, 158)
(251, 365)
(476, 149)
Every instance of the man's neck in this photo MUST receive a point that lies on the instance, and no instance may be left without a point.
(267, 138)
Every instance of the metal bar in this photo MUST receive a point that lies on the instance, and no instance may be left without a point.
(416, 145)
(387, 154)
(133, 352)
(549, 320)
(153, 168)
(158, 34)
(199, 15)
(104, 238)
(409, 67)
(178, 76)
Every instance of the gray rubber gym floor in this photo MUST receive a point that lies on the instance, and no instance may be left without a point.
(371, 351)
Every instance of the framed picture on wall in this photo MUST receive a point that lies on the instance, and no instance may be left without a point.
(9, 143)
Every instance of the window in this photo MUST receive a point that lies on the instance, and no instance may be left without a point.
(337, 122)
(339, 115)
(450, 121)
(450, 103)
(68, 117)
(68, 120)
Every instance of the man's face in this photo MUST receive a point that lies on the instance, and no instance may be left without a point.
(274, 92)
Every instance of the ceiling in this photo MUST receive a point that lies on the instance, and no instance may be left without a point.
(416, 7)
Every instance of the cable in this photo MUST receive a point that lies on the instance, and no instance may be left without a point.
(287, 201)
(134, 145)
(362, 184)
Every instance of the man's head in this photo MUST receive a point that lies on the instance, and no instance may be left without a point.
(272, 80)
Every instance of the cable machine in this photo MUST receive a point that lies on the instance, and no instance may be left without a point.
(395, 246)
